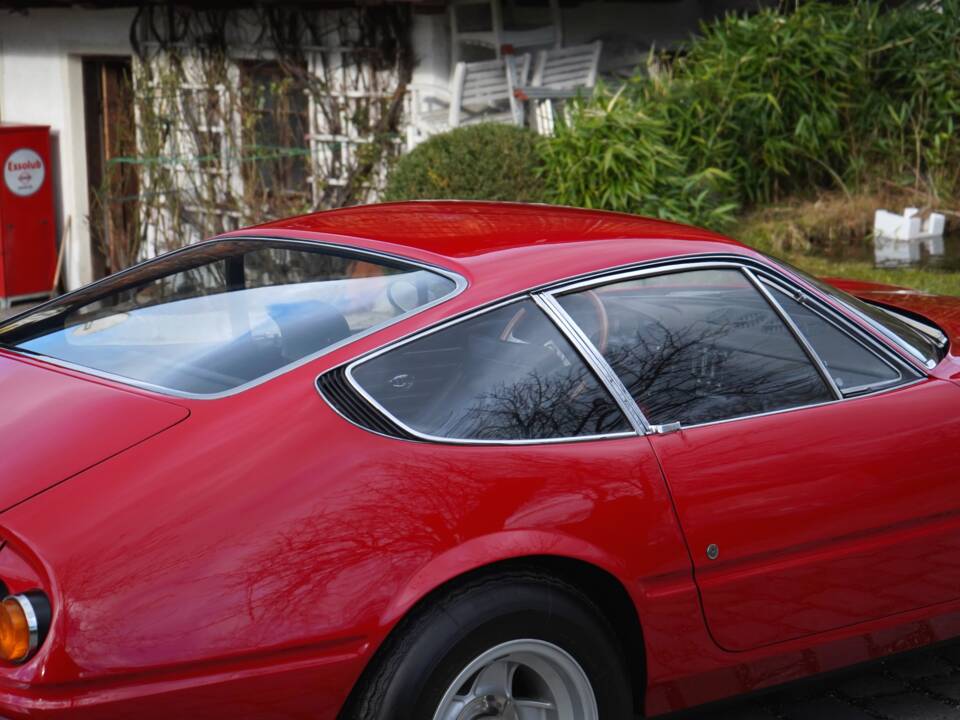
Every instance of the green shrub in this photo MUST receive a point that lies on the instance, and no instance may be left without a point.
(760, 107)
(910, 118)
(478, 162)
(770, 105)
(617, 153)
(769, 98)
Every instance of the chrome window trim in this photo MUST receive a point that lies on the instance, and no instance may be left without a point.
(889, 339)
(348, 373)
(460, 284)
(797, 334)
(771, 267)
(931, 331)
(707, 263)
(564, 283)
(743, 264)
(859, 390)
(595, 361)
(805, 407)
(854, 332)
(915, 355)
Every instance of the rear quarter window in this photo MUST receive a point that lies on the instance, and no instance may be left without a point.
(505, 375)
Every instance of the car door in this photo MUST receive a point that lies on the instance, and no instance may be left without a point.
(813, 471)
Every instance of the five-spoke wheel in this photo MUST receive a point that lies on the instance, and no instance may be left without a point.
(519, 645)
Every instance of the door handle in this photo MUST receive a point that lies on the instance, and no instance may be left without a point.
(666, 428)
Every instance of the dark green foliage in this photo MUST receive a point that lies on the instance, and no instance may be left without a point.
(479, 162)
(772, 105)
(761, 107)
(769, 98)
(911, 113)
(617, 153)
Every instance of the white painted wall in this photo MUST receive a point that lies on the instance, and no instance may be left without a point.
(431, 48)
(41, 81)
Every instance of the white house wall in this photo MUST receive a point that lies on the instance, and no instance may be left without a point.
(41, 82)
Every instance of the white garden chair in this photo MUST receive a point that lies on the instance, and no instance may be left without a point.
(557, 75)
(478, 92)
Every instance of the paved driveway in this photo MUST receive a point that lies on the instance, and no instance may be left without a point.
(922, 685)
(15, 310)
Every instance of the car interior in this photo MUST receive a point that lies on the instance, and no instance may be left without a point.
(505, 374)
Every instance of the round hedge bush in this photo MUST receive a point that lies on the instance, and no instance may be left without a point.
(478, 162)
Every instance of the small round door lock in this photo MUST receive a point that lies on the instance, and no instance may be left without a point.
(713, 552)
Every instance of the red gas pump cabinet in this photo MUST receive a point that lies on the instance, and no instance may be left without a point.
(28, 252)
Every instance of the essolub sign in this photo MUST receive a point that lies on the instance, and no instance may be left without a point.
(23, 172)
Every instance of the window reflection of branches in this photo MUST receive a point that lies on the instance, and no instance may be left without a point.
(507, 374)
(703, 346)
(559, 404)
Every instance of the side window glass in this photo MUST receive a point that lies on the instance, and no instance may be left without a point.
(697, 346)
(507, 374)
(853, 367)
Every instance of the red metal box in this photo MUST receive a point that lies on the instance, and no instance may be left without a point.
(28, 252)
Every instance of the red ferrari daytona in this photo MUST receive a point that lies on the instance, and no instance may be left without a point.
(447, 461)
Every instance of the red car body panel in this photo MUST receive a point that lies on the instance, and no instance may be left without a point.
(821, 525)
(246, 556)
(56, 424)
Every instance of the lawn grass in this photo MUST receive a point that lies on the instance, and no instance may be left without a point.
(829, 236)
(939, 282)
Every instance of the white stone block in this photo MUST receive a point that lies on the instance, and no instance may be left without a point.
(909, 226)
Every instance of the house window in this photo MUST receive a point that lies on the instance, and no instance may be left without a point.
(275, 128)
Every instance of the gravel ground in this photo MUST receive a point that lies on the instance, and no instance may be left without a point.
(921, 685)
(15, 310)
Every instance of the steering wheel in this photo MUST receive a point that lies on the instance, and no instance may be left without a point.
(600, 337)
(603, 321)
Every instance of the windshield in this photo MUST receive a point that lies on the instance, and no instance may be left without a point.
(923, 341)
(219, 315)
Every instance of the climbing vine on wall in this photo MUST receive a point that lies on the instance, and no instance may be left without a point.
(245, 115)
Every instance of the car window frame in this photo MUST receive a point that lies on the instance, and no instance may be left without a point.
(545, 298)
(460, 284)
(754, 270)
(853, 333)
(876, 330)
(583, 355)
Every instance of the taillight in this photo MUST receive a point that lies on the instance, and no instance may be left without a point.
(24, 621)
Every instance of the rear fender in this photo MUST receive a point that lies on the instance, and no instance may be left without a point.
(486, 550)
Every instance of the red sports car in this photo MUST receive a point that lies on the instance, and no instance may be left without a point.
(444, 461)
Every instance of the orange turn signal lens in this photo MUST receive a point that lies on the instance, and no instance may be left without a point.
(18, 629)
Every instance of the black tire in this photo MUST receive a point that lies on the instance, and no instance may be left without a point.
(424, 655)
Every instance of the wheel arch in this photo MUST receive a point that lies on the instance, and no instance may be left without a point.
(600, 584)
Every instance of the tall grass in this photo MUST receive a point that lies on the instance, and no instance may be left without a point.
(910, 113)
(769, 105)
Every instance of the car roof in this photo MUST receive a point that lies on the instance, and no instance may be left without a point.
(512, 245)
